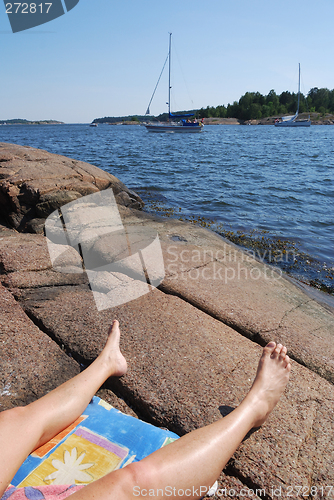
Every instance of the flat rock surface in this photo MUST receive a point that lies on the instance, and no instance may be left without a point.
(23, 252)
(117, 402)
(188, 369)
(242, 292)
(258, 302)
(31, 363)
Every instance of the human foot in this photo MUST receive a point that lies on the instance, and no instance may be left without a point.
(111, 355)
(270, 381)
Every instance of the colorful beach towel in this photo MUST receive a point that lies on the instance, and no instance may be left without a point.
(48, 492)
(101, 440)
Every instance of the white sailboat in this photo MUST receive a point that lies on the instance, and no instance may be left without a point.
(291, 121)
(184, 125)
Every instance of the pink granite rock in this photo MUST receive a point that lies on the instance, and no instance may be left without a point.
(31, 363)
(34, 183)
(187, 369)
(192, 346)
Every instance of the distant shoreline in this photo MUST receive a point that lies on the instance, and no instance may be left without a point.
(28, 122)
(316, 119)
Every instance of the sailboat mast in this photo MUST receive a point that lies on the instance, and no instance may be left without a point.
(298, 90)
(169, 62)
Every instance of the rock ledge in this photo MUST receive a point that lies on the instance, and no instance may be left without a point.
(34, 183)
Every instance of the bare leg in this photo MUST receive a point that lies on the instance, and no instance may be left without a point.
(24, 429)
(197, 458)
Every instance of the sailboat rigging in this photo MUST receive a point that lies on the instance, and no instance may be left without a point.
(291, 121)
(184, 125)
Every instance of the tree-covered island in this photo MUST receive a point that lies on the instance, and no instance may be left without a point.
(21, 121)
(253, 106)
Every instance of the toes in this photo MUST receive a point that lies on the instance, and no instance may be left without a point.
(287, 362)
(114, 327)
(277, 351)
(283, 353)
(269, 348)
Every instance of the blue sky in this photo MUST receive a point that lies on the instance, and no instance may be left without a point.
(103, 58)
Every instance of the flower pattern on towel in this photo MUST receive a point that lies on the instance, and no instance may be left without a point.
(71, 469)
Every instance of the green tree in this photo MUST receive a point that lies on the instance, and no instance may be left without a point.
(245, 102)
(212, 111)
(285, 98)
(255, 111)
(221, 111)
(331, 102)
(273, 98)
(232, 111)
(203, 113)
(265, 110)
(258, 98)
(292, 105)
(320, 98)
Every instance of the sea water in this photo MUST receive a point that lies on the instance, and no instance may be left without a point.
(271, 183)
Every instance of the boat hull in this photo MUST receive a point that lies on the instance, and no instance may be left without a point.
(300, 123)
(169, 128)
